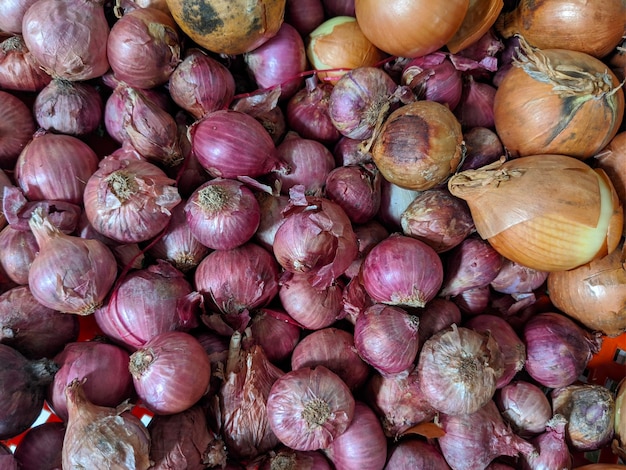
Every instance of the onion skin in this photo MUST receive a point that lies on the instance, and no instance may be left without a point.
(612, 159)
(305, 16)
(41, 447)
(20, 249)
(415, 453)
(19, 70)
(11, 21)
(524, 406)
(275, 334)
(357, 189)
(18, 133)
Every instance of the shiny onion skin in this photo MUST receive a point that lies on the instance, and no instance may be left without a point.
(525, 406)
(557, 101)
(357, 189)
(546, 212)
(19, 70)
(590, 27)
(129, 200)
(80, 53)
(171, 372)
(19, 251)
(308, 408)
(410, 28)
(226, 26)
(415, 453)
(41, 445)
(13, 12)
(419, 145)
(18, 127)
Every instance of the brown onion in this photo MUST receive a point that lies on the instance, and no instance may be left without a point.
(19, 70)
(612, 159)
(17, 129)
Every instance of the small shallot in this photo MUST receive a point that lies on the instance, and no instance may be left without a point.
(524, 406)
(41, 447)
(357, 189)
(19, 70)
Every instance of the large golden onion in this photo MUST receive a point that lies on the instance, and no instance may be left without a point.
(228, 26)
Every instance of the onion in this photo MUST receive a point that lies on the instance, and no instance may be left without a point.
(305, 16)
(20, 249)
(357, 189)
(458, 369)
(433, 77)
(419, 145)
(482, 147)
(473, 301)
(475, 108)
(552, 450)
(289, 459)
(524, 406)
(19, 70)
(263, 106)
(7, 459)
(612, 159)
(272, 207)
(513, 278)
(617, 446)
(399, 402)
(32, 329)
(415, 453)
(105, 368)
(70, 274)
(143, 47)
(41, 447)
(55, 167)
(231, 143)
(349, 151)
(279, 61)
(334, 349)
(435, 316)
(167, 303)
(6, 184)
(80, 53)
(473, 440)
(222, 214)
(589, 411)
(102, 436)
(577, 220)
(24, 384)
(201, 84)
(11, 21)
(309, 408)
(557, 101)
(368, 235)
(275, 334)
(17, 130)
(129, 200)
(437, 218)
(394, 200)
(338, 7)
(171, 372)
(402, 271)
(557, 349)
(363, 444)
(244, 401)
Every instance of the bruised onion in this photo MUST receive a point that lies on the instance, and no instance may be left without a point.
(524, 406)
(102, 436)
(310, 407)
(19, 70)
(17, 129)
(171, 372)
(41, 447)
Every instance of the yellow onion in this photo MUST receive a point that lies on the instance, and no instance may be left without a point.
(557, 101)
(578, 25)
(228, 26)
(480, 17)
(546, 212)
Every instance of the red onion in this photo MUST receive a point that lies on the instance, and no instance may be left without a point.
(105, 366)
(143, 47)
(357, 189)
(171, 372)
(473, 301)
(312, 307)
(484, 51)
(271, 206)
(18, 127)
(222, 214)
(307, 112)
(557, 349)
(385, 336)
(334, 349)
(473, 440)
(7, 459)
(415, 454)
(129, 200)
(513, 278)
(276, 335)
(19, 251)
(200, 84)
(279, 61)
(309, 163)
(234, 280)
(458, 369)
(308, 408)
(13, 12)
(438, 218)
(177, 245)
(70, 274)
(524, 406)
(433, 77)
(482, 146)
(339, 7)
(55, 167)
(360, 100)
(32, 329)
(589, 412)
(80, 53)
(184, 439)
(511, 346)
(5, 184)
(263, 106)
(349, 151)
(288, 459)
(435, 316)
(41, 447)
(355, 300)
(231, 143)
(476, 106)
(23, 390)
(402, 271)
(167, 303)
(249, 377)
(98, 436)
(304, 15)
(363, 445)
(66, 107)
(19, 70)
(316, 239)
(398, 401)
(368, 235)
(393, 202)
(552, 450)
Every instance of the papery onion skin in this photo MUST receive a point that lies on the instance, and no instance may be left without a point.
(19, 132)
(357, 189)
(11, 21)
(435, 316)
(19, 70)
(513, 278)
(286, 458)
(308, 408)
(433, 77)
(552, 449)
(524, 406)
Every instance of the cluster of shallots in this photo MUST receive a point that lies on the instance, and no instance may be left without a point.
(323, 248)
